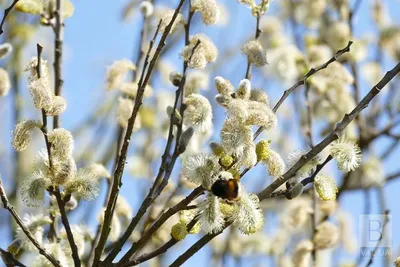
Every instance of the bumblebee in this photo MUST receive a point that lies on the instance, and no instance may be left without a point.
(226, 189)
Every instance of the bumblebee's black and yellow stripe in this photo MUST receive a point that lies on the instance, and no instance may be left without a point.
(226, 189)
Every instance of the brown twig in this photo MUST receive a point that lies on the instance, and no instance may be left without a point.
(256, 36)
(160, 181)
(311, 72)
(120, 137)
(58, 50)
(6, 11)
(333, 135)
(144, 79)
(28, 234)
(65, 222)
(9, 260)
(163, 218)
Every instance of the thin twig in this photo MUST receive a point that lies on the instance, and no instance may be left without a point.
(9, 260)
(6, 11)
(256, 36)
(333, 135)
(28, 234)
(163, 218)
(144, 80)
(65, 222)
(311, 72)
(58, 50)
(120, 137)
(160, 182)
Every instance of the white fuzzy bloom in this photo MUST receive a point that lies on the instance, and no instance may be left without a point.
(397, 262)
(223, 86)
(116, 73)
(302, 254)
(209, 10)
(210, 215)
(34, 223)
(235, 136)
(318, 54)
(248, 216)
(198, 113)
(337, 35)
(373, 173)
(131, 89)
(200, 169)
(196, 80)
(336, 76)
(347, 154)
(123, 209)
(99, 170)
(5, 84)
(5, 50)
(58, 251)
(124, 112)
(255, 52)
(22, 134)
(205, 52)
(284, 60)
(85, 185)
(260, 114)
(167, 18)
(39, 88)
(62, 143)
(33, 189)
(326, 187)
(58, 106)
(327, 235)
(146, 8)
(259, 95)
(275, 164)
(243, 90)
(296, 214)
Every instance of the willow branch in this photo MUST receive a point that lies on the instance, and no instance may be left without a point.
(160, 181)
(256, 36)
(144, 80)
(311, 72)
(28, 234)
(65, 222)
(6, 12)
(333, 135)
(58, 50)
(9, 260)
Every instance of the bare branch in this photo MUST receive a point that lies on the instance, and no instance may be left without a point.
(18, 220)
(9, 259)
(304, 79)
(332, 136)
(144, 80)
(6, 11)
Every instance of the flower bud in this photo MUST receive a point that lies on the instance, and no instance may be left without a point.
(175, 78)
(146, 8)
(217, 149)
(262, 150)
(295, 191)
(15, 246)
(226, 161)
(326, 187)
(179, 231)
(184, 140)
